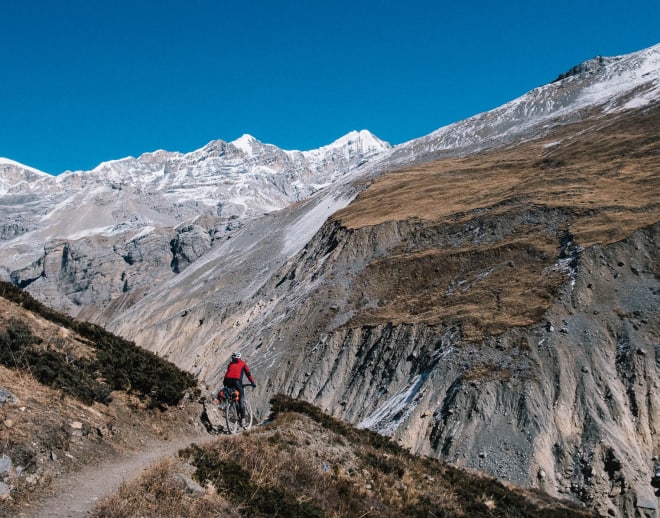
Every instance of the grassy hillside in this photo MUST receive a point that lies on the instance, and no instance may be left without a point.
(304, 463)
(97, 364)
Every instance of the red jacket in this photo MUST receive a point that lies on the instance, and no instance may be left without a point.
(236, 369)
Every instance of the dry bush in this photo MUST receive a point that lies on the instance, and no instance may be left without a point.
(106, 362)
(157, 493)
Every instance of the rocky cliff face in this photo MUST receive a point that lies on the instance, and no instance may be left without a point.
(569, 404)
(501, 312)
(545, 416)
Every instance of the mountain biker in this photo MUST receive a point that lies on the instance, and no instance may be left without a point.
(234, 379)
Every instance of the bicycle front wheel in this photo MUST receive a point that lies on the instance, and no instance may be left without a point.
(247, 422)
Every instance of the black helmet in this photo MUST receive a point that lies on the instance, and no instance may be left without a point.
(235, 356)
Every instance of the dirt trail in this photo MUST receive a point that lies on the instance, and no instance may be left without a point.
(77, 494)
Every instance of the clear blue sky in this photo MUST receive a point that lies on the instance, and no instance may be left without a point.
(85, 81)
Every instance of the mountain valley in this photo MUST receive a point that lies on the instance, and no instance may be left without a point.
(487, 295)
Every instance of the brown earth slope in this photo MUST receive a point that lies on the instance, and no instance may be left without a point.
(505, 216)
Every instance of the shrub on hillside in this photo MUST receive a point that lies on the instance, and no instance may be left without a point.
(19, 349)
(23, 298)
(120, 363)
(281, 403)
(288, 498)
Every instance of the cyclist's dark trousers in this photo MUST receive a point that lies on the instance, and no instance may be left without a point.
(234, 383)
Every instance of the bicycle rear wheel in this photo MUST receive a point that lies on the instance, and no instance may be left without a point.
(231, 417)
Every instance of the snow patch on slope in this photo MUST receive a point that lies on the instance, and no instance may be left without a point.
(387, 418)
(642, 77)
(309, 223)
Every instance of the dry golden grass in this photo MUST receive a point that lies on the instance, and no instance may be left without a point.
(159, 493)
(486, 372)
(483, 234)
(486, 292)
(598, 172)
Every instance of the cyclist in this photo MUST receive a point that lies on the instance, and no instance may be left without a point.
(234, 379)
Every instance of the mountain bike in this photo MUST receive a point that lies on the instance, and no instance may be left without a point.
(229, 406)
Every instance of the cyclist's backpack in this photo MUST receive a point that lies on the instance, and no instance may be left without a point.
(228, 393)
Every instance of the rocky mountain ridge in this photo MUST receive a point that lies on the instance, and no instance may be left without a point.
(493, 284)
(181, 204)
(156, 214)
(600, 85)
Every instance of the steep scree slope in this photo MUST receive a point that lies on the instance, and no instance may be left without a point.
(499, 311)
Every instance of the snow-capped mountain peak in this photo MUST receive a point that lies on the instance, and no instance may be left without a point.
(240, 179)
(593, 65)
(363, 138)
(6, 163)
(355, 143)
(245, 143)
(16, 177)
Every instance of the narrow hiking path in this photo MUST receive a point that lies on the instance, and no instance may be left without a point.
(77, 494)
